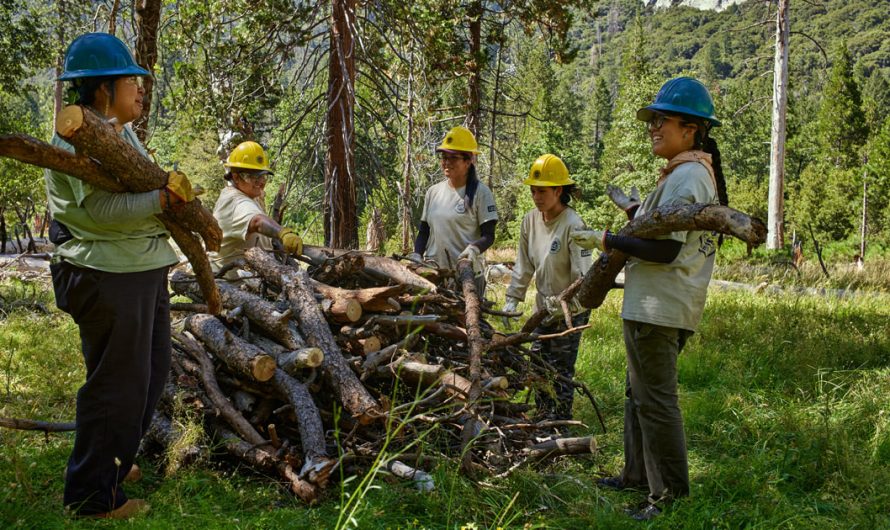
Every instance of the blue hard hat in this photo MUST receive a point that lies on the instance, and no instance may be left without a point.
(682, 95)
(99, 55)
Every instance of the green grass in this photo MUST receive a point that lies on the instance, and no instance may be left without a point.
(786, 401)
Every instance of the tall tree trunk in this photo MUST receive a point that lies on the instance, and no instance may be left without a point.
(494, 116)
(776, 210)
(863, 232)
(148, 17)
(340, 211)
(406, 174)
(474, 85)
(58, 88)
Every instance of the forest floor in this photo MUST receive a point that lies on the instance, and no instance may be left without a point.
(786, 399)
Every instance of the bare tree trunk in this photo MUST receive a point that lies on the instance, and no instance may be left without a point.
(864, 228)
(494, 115)
(340, 211)
(406, 174)
(112, 17)
(776, 211)
(148, 17)
(474, 85)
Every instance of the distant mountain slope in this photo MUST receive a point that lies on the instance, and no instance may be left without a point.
(710, 5)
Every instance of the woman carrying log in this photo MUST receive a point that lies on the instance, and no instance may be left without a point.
(109, 273)
(547, 253)
(241, 210)
(666, 281)
(459, 213)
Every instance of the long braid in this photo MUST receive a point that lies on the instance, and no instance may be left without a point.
(472, 185)
(710, 146)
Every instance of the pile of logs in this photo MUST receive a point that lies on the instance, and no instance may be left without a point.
(358, 360)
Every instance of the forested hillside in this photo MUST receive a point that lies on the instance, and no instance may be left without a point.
(561, 77)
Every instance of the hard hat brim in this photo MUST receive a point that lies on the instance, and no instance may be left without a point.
(111, 72)
(646, 113)
(441, 149)
(547, 183)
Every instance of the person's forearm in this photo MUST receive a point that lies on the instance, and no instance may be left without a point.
(264, 225)
(655, 250)
(423, 238)
(487, 239)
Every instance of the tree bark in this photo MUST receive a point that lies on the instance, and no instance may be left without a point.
(473, 426)
(294, 361)
(563, 446)
(241, 356)
(376, 266)
(297, 286)
(148, 18)
(308, 418)
(475, 12)
(340, 211)
(374, 299)
(776, 206)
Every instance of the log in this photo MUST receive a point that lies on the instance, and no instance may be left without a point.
(600, 278)
(261, 312)
(295, 283)
(211, 387)
(308, 418)
(165, 434)
(333, 270)
(36, 425)
(562, 446)
(239, 355)
(473, 426)
(342, 310)
(294, 361)
(191, 247)
(373, 299)
(414, 372)
(423, 481)
(375, 359)
(376, 266)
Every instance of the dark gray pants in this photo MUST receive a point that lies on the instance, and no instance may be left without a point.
(654, 442)
(562, 354)
(124, 321)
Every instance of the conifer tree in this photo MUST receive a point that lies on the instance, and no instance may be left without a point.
(841, 123)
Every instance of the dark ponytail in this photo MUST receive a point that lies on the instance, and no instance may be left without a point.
(472, 185)
(567, 193)
(705, 143)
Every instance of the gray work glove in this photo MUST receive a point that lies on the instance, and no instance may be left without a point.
(589, 238)
(415, 257)
(621, 199)
(552, 305)
(473, 254)
(510, 307)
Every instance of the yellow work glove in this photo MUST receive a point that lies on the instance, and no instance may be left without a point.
(590, 238)
(292, 243)
(178, 184)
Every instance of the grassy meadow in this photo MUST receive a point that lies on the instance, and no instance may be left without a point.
(786, 400)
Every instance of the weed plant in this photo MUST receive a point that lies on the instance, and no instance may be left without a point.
(785, 399)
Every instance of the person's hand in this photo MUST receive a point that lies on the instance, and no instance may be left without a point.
(590, 238)
(178, 184)
(510, 307)
(621, 199)
(473, 254)
(292, 243)
(554, 307)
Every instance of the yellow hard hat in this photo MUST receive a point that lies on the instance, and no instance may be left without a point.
(248, 155)
(548, 170)
(459, 139)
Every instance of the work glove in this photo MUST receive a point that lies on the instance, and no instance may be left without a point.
(510, 307)
(621, 200)
(178, 184)
(415, 257)
(292, 243)
(590, 238)
(473, 254)
(552, 305)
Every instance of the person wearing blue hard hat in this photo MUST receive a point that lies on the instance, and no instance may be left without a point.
(109, 272)
(666, 281)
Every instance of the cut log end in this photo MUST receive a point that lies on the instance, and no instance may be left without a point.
(263, 368)
(344, 310)
(370, 344)
(69, 120)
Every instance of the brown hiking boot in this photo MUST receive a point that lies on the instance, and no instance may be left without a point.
(131, 508)
(133, 475)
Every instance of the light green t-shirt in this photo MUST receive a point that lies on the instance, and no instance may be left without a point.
(233, 211)
(453, 225)
(673, 294)
(547, 253)
(136, 241)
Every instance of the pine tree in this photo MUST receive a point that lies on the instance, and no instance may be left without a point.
(841, 123)
(876, 101)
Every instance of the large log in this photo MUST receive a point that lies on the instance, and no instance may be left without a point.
(239, 355)
(376, 266)
(600, 278)
(261, 312)
(373, 299)
(190, 246)
(562, 446)
(96, 138)
(297, 286)
(36, 425)
(308, 418)
(473, 426)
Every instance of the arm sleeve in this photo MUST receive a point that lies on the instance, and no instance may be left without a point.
(121, 208)
(655, 250)
(487, 239)
(423, 237)
(524, 270)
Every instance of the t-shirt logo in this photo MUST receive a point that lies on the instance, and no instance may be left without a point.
(555, 246)
(586, 252)
(492, 208)
(707, 244)
(460, 207)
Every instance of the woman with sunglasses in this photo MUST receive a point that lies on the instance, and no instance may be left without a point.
(459, 213)
(241, 210)
(109, 273)
(666, 281)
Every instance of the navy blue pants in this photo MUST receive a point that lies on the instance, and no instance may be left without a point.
(562, 354)
(124, 321)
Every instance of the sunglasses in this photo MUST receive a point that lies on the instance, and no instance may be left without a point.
(657, 120)
(135, 80)
(450, 159)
